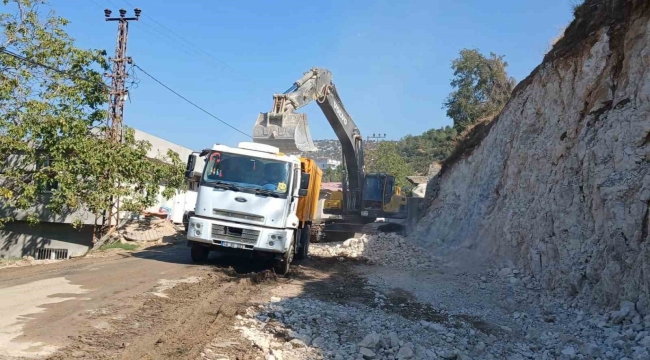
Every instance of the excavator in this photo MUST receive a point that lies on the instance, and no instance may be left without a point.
(364, 196)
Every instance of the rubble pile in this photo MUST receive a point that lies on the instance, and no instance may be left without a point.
(304, 328)
(310, 329)
(381, 249)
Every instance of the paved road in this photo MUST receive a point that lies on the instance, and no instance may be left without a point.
(41, 307)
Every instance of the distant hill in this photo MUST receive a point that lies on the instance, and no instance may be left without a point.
(331, 149)
(419, 151)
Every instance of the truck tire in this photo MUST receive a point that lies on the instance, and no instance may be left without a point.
(281, 267)
(303, 247)
(186, 220)
(199, 253)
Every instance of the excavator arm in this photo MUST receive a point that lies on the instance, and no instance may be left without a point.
(289, 131)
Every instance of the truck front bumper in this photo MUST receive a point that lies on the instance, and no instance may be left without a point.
(241, 236)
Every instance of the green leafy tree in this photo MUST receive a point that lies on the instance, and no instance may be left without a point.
(482, 88)
(54, 157)
(386, 158)
(332, 175)
(420, 151)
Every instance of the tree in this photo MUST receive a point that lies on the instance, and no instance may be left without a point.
(420, 151)
(52, 126)
(482, 88)
(386, 158)
(332, 175)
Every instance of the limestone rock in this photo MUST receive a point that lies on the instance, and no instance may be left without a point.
(367, 353)
(564, 164)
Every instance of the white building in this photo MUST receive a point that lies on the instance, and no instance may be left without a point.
(327, 163)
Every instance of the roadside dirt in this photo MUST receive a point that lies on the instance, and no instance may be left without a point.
(174, 327)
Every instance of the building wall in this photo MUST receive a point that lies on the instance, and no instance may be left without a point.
(18, 239)
(327, 163)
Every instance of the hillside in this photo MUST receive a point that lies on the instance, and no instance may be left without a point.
(331, 149)
(418, 151)
(559, 183)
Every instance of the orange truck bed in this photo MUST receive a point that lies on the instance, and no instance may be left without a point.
(308, 205)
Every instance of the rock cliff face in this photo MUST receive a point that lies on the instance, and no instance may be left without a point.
(560, 185)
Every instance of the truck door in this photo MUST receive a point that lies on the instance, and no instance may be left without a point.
(389, 189)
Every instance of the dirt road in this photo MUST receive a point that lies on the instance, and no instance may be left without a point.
(151, 304)
(148, 304)
(155, 304)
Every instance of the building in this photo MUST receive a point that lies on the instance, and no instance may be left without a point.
(327, 163)
(55, 232)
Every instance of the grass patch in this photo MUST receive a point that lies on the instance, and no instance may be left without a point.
(119, 245)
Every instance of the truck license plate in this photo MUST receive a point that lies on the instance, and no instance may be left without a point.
(364, 213)
(232, 245)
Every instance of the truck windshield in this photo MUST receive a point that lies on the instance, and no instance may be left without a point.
(246, 172)
(374, 189)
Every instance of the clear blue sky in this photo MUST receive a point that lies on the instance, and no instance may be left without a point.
(390, 59)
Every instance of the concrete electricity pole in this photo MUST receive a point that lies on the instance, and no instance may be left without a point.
(117, 95)
(376, 137)
(118, 75)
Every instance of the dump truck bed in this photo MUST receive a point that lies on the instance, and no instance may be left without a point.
(308, 205)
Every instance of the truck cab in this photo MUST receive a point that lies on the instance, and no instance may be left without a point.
(253, 199)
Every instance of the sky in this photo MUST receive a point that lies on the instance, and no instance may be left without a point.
(390, 59)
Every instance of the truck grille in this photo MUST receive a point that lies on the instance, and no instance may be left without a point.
(229, 233)
(238, 215)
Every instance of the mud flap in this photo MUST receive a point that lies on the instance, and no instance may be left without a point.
(287, 131)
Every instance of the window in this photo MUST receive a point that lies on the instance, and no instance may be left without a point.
(373, 190)
(247, 172)
(390, 188)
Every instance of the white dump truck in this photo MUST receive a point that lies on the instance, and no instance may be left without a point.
(254, 200)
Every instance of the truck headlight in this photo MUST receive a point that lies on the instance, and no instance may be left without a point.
(198, 225)
(276, 237)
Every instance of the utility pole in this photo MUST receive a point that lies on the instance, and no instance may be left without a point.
(117, 95)
(376, 137)
(118, 75)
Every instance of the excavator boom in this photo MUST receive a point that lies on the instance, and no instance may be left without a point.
(289, 131)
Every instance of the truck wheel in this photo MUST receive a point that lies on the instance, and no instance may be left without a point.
(282, 267)
(199, 253)
(303, 249)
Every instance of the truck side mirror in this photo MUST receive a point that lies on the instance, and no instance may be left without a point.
(304, 184)
(189, 169)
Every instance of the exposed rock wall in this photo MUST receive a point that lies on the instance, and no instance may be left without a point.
(561, 183)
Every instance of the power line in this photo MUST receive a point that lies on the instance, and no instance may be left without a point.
(190, 102)
(24, 59)
(62, 72)
(195, 47)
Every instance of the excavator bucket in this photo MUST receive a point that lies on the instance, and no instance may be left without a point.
(287, 131)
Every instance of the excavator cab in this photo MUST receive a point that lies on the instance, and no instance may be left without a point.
(382, 197)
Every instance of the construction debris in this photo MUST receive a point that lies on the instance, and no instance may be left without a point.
(381, 249)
